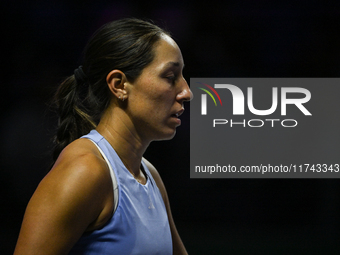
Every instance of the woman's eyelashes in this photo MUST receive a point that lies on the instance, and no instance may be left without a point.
(171, 78)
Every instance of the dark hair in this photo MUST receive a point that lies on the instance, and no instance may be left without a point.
(126, 45)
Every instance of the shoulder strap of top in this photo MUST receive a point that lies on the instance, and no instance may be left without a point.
(113, 177)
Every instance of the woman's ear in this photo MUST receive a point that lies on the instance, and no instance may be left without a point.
(116, 80)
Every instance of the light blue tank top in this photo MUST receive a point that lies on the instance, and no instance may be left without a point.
(140, 223)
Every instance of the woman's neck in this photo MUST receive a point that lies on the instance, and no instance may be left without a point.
(117, 128)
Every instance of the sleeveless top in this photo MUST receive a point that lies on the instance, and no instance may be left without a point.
(139, 224)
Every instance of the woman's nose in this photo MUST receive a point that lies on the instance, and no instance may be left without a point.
(185, 94)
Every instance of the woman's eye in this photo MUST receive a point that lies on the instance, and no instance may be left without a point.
(171, 78)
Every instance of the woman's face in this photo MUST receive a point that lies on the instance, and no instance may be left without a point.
(155, 98)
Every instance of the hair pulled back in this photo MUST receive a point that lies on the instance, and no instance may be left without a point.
(126, 45)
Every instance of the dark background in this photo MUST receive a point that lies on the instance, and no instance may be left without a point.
(42, 43)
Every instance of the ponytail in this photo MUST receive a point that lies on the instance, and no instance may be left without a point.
(74, 119)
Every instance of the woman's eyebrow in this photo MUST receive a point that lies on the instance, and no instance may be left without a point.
(171, 63)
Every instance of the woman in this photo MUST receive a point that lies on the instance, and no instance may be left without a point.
(102, 196)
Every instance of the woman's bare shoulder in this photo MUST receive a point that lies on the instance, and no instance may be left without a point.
(79, 151)
(80, 164)
(71, 199)
(80, 172)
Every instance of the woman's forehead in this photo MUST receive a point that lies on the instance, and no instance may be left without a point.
(167, 53)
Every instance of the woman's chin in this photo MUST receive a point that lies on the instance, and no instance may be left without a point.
(167, 136)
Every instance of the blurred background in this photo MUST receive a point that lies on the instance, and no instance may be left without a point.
(42, 42)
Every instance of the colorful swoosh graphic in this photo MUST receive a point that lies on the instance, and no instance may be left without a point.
(208, 92)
